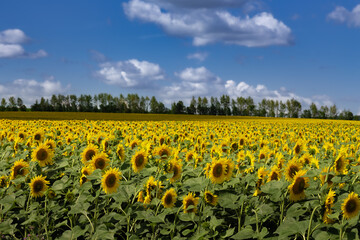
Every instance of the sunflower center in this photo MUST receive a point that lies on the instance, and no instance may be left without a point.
(175, 170)
(299, 185)
(350, 206)
(89, 154)
(190, 157)
(217, 170)
(189, 203)
(297, 149)
(163, 152)
(293, 170)
(42, 154)
(38, 186)
(110, 180)
(18, 170)
(99, 163)
(168, 199)
(274, 176)
(37, 137)
(330, 176)
(339, 164)
(234, 146)
(139, 160)
(133, 145)
(162, 140)
(21, 136)
(209, 198)
(262, 156)
(241, 142)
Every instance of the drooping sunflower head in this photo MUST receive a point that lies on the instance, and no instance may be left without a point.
(340, 164)
(291, 169)
(38, 186)
(88, 153)
(20, 168)
(351, 206)
(139, 160)
(210, 198)
(100, 161)
(140, 197)
(83, 179)
(190, 200)
(217, 171)
(111, 180)
(169, 198)
(177, 170)
(87, 170)
(43, 155)
(51, 193)
(329, 201)
(120, 152)
(329, 174)
(298, 186)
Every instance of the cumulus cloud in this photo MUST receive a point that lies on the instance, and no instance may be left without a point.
(200, 56)
(29, 90)
(209, 22)
(342, 15)
(10, 45)
(202, 82)
(130, 73)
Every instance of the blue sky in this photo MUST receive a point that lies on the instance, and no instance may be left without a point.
(176, 49)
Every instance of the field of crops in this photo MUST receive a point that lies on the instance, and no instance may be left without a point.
(239, 179)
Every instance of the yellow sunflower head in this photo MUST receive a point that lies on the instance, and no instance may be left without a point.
(275, 174)
(88, 153)
(43, 155)
(83, 179)
(139, 160)
(50, 144)
(100, 161)
(298, 186)
(341, 164)
(218, 171)
(38, 136)
(111, 180)
(38, 186)
(291, 169)
(4, 181)
(163, 151)
(20, 168)
(87, 170)
(141, 196)
(351, 206)
(120, 152)
(190, 155)
(210, 198)
(190, 200)
(169, 198)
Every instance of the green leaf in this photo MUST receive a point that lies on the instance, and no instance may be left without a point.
(295, 210)
(291, 227)
(275, 189)
(76, 232)
(214, 222)
(244, 233)
(228, 233)
(6, 227)
(228, 200)
(195, 184)
(7, 202)
(102, 232)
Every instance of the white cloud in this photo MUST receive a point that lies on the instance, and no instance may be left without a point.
(30, 90)
(207, 25)
(199, 3)
(342, 15)
(200, 56)
(10, 45)
(129, 73)
(201, 82)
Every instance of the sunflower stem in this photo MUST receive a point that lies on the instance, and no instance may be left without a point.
(173, 230)
(257, 223)
(311, 218)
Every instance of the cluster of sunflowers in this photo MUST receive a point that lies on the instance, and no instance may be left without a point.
(210, 179)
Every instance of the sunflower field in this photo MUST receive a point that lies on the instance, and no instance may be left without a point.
(216, 179)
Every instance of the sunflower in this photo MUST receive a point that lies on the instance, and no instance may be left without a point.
(51, 194)
(190, 155)
(262, 172)
(88, 153)
(210, 198)
(38, 186)
(83, 179)
(297, 188)
(87, 170)
(38, 136)
(110, 180)
(139, 160)
(275, 174)
(323, 177)
(340, 164)
(351, 206)
(120, 152)
(141, 196)
(163, 151)
(298, 148)
(291, 169)
(177, 170)
(21, 135)
(134, 143)
(169, 198)
(43, 155)
(3, 181)
(329, 202)
(20, 168)
(50, 144)
(308, 159)
(190, 200)
(100, 161)
(229, 169)
(218, 171)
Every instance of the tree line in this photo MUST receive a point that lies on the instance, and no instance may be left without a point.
(133, 103)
